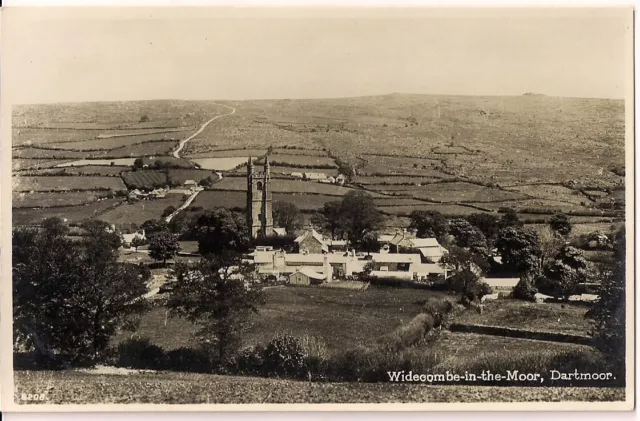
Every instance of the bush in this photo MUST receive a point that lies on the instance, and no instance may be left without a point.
(285, 356)
(525, 289)
(140, 353)
(190, 360)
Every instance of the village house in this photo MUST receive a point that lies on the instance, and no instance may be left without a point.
(429, 248)
(190, 184)
(310, 242)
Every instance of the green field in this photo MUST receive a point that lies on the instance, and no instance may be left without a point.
(72, 387)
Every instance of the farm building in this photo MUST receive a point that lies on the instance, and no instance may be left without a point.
(191, 184)
(278, 262)
(306, 276)
(297, 174)
(315, 176)
(158, 194)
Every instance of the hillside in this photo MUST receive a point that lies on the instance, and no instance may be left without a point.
(456, 154)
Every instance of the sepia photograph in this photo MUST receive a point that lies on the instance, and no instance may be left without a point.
(212, 208)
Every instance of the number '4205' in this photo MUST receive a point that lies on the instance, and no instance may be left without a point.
(33, 397)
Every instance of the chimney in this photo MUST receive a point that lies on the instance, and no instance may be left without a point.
(328, 272)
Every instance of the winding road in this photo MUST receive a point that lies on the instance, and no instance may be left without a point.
(183, 142)
(176, 154)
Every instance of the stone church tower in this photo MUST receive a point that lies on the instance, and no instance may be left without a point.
(259, 211)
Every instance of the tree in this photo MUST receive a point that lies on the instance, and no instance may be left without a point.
(137, 242)
(144, 118)
(468, 236)
(163, 246)
(206, 182)
(218, 294)
(525, 289)
(609, 311)
(428, 224)
(168, 211)
(510, 219)
(467, 268)
(370, 243)
(221, 230)
(520, 249)
(153, 226)
(563, 275)
(286, 215)
(327, 219)
(550, 244)
(561, 224)
(138, 163)
(70, 297)
(359, 216)
(487, 223)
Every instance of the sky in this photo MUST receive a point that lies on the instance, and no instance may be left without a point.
(115, 54)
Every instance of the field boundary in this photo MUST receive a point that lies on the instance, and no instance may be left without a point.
(521, 333)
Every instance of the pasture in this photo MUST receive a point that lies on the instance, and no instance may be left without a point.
(67, 183)
(221, 164)
(145, 179)
(141, 211)
(285, 186)
(179, 176)
(110, 143)
(47, 200)
(548, 317)
(341, 318)
(73, 214)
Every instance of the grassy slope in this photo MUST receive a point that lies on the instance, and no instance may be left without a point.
(548, 317)
(180, 388)
(340, 318)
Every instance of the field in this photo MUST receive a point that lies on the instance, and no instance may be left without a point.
(285, 186)
(210, 199)
(134, 150)
(357, 317)
(73, 214)
(139, 212)
(147, 179)
(73, 387)
(547, 317)
(119, 141)
(46, 200)
(488, 152)
(67, 183)
(179, 176)
(100, 170)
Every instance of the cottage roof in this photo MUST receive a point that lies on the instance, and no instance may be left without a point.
(310, 273)
(426, 268)
(300, 258)
(432, 251)
(424, 242)
(385, 238)
(315, 175)
(315, 234)
(395, 258)
(190, 183)
(280, 231)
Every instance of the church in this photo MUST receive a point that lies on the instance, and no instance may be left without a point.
(259, 201)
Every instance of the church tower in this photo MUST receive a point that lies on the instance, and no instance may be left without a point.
(259, 210)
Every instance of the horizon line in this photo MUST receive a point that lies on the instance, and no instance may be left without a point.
(525, 94)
